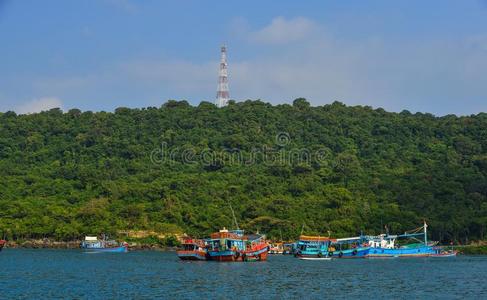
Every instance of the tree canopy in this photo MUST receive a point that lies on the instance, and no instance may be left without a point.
(283, 169)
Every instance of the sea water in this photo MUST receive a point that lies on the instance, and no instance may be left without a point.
(41, 274)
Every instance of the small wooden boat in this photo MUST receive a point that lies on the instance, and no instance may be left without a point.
(447, 254)
(2, 244)
(276, 248)
(93, 244)
(441, 252)
(192, 249)
(314, 258)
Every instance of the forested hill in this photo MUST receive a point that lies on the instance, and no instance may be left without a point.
(180, 168)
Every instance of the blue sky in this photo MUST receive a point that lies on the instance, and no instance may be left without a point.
(428, 56)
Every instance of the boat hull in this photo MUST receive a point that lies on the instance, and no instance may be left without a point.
(259, 254)
(400, 252)
(446, 254)
(224, 256)
(121, 249)
(312, 256)
(352, 253)
(191, 255)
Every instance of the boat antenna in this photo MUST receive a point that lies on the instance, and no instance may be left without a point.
(425, 226)
(233, 214)
(302, 229)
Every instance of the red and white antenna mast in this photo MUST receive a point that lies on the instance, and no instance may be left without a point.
(222, 94)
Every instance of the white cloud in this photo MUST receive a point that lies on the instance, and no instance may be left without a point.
(435, 75)
(281, 31)
(38, 105)
(438, 75)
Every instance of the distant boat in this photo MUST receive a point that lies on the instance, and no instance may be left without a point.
(276, 248)
(442, 252)
(192, 249)
(314, 248)
(233, 245)
(93, 244)
(314, 258)
(2, 244)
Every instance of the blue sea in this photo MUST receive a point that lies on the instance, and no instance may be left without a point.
(73, 274)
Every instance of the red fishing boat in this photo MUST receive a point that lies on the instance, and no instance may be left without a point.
(2, 243)
(192, 249)
(233, 245)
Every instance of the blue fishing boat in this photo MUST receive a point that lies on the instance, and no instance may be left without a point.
(313, 248)
(352, 247)
(93, 244)
(384, 245)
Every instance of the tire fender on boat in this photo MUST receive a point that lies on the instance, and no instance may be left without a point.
(320, 254)
(340, 254)
(354, 252)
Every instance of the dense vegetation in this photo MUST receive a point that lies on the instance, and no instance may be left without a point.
(346, 170)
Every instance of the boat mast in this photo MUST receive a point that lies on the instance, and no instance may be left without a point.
(233, 214)
(425, 233)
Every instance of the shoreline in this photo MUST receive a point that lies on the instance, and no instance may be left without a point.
(472, 249)
(50, 244)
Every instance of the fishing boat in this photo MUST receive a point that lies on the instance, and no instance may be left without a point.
(192, 249)
(313, 248)
(93, 244)
(352, 247)
(384, 245)
(2, 244)
(443, 252)
(276, 248)
(233, 245)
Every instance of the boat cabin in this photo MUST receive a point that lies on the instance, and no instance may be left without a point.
(190, 244)
(226, 240)
(313, 245)
(382, 241)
